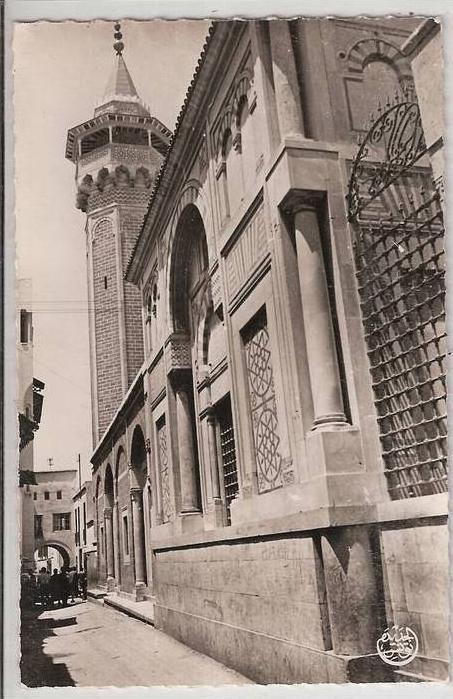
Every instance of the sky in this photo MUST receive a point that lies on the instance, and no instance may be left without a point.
(60, 74)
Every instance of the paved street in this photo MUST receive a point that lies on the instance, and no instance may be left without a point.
(86, 644)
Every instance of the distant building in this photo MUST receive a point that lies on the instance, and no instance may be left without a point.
(30, 400)
(54, 527)
(274, 475)
(85, 537)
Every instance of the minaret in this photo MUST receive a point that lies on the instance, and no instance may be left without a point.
(117, 154)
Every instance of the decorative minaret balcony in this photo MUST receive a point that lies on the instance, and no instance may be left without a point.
(117, 154)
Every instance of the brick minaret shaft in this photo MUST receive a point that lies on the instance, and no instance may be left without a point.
(117, 154)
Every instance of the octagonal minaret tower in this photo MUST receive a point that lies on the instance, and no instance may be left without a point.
(117, 154)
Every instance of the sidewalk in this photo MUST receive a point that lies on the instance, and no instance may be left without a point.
(139, 610)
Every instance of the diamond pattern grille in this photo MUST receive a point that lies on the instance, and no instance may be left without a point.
(263, 406)
(164, 473)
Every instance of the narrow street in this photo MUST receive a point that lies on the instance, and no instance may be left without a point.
(86, 644)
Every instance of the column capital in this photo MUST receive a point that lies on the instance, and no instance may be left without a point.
(136, 493)
(177, 353)
(297, 200)
(108, 511)
(207, 413)
(211, 417)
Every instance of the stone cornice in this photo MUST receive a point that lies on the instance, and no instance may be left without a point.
(430, 508)
(190, 120)
(420, 37)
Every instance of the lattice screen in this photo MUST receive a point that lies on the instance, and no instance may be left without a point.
(401, 275)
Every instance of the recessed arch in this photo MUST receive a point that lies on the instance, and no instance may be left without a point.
(108, 487)
(366, 51)
(138, 459)
(241, 94)
(188, 264)
(225, 124)
(120, 464)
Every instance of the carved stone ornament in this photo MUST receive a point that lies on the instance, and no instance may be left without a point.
(177, 353)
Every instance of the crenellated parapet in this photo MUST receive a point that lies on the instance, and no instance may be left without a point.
(119, 178)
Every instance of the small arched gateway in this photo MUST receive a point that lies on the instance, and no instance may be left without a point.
(52, 554)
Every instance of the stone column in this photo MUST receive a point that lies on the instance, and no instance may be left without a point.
(116, 544)
(355, 602)
(109, 555)
(287, 93)
(138, 538)
(187, 459)
(213, 456)
(319, 334)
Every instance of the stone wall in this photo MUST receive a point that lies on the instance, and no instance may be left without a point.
(415, 567)
(236, 599)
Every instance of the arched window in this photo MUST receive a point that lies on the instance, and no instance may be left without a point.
(233, 171)
(246, 142)
(151, 313)
(223, 174)
(380, 83)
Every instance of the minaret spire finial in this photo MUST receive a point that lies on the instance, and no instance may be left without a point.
(118, 45)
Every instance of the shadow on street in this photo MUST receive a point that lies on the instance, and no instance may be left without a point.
(37, 668)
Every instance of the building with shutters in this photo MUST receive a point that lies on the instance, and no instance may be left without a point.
(269, 462)
(84, 535)
(29, 403)
(54, 522)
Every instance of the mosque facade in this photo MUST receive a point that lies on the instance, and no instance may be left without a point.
(269, 459)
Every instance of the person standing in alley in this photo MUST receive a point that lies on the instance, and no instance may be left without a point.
(72, 578)
(54, 586)
(64, 586)
(83, 584)
(43, 587)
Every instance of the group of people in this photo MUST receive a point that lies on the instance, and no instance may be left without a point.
(62, 586)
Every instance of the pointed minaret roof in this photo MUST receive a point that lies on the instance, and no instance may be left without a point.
(120, 84)
(121, 95)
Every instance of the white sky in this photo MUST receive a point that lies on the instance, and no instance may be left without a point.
(60, 74)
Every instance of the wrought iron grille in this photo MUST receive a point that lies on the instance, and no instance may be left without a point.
(228, 450)
(401, 279)
(393, 144)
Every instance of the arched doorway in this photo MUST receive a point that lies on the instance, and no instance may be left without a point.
(100, 553)
(51, 555)
(137, 486)
(121, 501)
(189, 295)
(108, 527)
